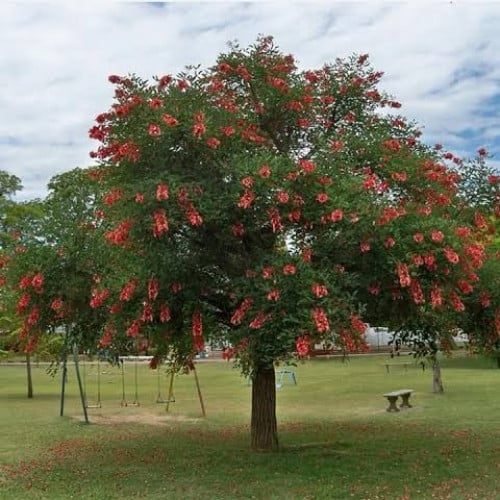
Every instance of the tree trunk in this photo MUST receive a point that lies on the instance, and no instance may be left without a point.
(29, 377)
(264, 429)
(437, 383)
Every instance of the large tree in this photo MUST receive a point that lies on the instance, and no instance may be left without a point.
(270, 208)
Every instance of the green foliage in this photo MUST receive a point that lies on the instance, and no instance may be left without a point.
(272, 208)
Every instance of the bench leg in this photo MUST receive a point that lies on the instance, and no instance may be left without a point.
(406, 401)
(392, 403)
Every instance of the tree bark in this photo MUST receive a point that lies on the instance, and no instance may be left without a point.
(264, 428)
(437, 383)
(29, 377)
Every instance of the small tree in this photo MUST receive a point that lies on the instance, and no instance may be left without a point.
(271, 208)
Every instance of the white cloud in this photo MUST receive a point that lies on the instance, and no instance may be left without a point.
(440, 60)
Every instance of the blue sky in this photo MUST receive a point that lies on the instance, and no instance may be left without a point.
(440, 58)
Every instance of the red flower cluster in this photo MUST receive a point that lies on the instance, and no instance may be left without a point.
(319, 290)
(259, 320)
(302, 345)
(160, 222)
(165, 314)
(357, 324)
(162, 192)
(153, 288)
(119, 235)
(240, 313)
(128, 290)
(98, 298)
(197, 331)
(274, 217)
(320, 319)
(403, 274)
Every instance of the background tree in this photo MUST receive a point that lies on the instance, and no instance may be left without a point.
(271, 208)
(53, 273)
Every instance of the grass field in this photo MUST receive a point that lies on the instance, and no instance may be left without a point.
(338, 442)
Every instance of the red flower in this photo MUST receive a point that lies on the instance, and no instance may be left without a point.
(451, 255)
(119, 235)
(289, 269)
(162, 192)
(437, 236)
(319, 290)
(336, 146)
(176, 287)
(165, 314)
(480, 221)
(482, 152)
(199, 129)
(153, 288)
(147, 313)
(436, 296)
(37, 282)
(134, 328)
(282, 196)
(404, 275)
(303, 123)
(465, 286)
(247, 182)
(224, 67)
(320, 319)
(197, 324)
(322, 198)
(155, 103)
(389, 242)
(307, 166)
(267, 272)
(139, 198)
(374, 289)
(98, 298)
(154, 130)
(161, 222)
(302, 345)
(416, 292)
(238, 229)
(246, 199)
(239, 314)
(213, 142)
(23, 303)
(169, 120)
(164, 81)
(400, 177)
(364, 247)
(418, 237)
(274, 217)
(392, 145)
(227, 131)
(56, 304)
(337, 215)
(25, 282)
(259, 320)
(273, 295)
(357, 324)
(128, 290)
(456, 303)
(264, 171)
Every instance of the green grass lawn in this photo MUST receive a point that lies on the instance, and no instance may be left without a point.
(338, 442)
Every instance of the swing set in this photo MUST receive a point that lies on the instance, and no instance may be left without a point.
(82, 385)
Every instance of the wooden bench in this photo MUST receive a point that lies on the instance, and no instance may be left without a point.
(393, 396)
